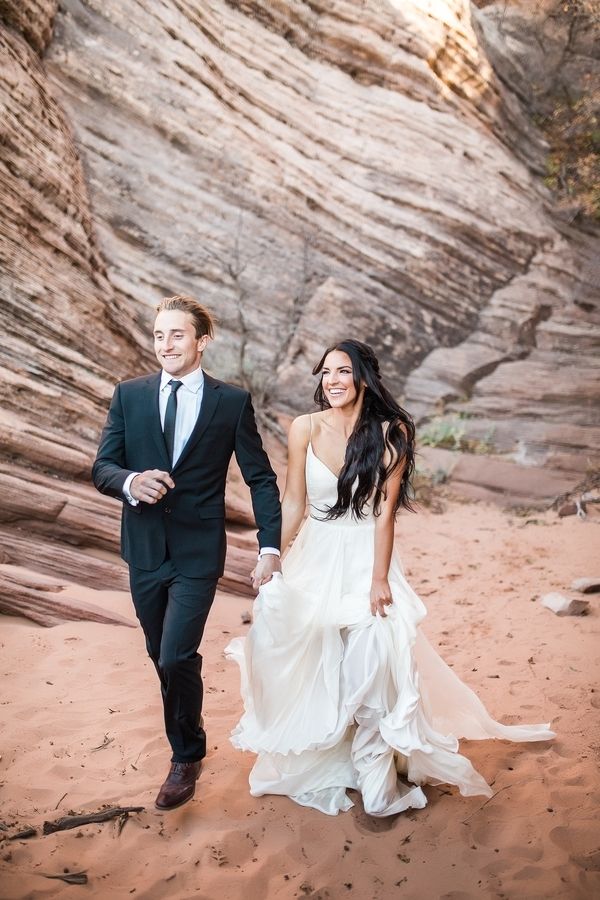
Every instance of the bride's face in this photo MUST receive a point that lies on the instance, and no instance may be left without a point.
(338, 381)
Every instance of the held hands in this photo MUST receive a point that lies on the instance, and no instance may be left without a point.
(264, 569)
(150, 486)
(381, 596)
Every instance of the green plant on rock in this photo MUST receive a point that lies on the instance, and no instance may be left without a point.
(445, 433)
(449, 434)
(483, 446)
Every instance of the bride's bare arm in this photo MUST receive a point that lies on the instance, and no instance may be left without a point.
(293, 504)
(381, 595)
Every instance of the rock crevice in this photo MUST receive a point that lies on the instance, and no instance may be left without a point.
(310, 171)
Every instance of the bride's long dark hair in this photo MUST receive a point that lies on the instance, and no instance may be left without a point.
(369, 440)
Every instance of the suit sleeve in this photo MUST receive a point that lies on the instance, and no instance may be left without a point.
(259, 476)
(108, 472)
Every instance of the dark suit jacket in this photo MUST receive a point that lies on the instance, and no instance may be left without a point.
(190, 520)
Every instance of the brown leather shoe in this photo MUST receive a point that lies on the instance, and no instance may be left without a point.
(179, 786)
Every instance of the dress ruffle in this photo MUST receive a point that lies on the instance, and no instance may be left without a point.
(330, 708)
(336, 698)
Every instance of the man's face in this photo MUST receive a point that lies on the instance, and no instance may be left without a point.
(177, 348)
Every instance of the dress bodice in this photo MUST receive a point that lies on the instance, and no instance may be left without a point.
(321, 488)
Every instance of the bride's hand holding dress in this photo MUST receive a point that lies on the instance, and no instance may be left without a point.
(381, 593)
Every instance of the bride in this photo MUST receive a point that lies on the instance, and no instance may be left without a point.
(340, 687)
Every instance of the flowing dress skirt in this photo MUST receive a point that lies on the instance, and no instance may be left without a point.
(337, 698)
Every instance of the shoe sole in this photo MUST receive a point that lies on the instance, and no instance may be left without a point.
(181, 802)
(175, 805)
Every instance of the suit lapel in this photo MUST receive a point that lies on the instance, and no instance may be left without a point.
(210, 400)
(151, 389)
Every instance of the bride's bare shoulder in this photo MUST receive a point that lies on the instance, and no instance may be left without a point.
(300, 429)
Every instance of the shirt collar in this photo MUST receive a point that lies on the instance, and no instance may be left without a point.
(193, 381)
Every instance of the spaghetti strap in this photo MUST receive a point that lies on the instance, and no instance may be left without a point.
(310, 415)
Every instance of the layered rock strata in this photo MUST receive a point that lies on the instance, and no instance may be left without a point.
(310, 170)
(315, 170)
(68, 334)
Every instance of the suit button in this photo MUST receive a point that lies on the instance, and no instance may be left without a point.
(167, 509)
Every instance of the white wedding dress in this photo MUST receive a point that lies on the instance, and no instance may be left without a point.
(337, 698)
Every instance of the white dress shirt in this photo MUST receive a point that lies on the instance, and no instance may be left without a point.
(189, 401)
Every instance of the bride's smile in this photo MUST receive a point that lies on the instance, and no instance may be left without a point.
(337, 379)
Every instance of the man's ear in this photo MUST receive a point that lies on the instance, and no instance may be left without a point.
(203, 343)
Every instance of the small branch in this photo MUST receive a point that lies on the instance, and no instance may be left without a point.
(25, 833)
(70, 877)
(489, 800)
(61, 800)
(68, 822)
(105, 743)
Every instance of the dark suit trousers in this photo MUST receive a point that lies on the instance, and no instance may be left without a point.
(172, 610)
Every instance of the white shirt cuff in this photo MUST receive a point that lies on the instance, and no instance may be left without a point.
(265, 550)
(126, 487)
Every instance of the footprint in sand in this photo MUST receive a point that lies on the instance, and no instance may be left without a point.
(456, 895)
(576, 837)
(306, 890)
(529, 873)
(235, 848)
(560, 749)
(574, 781)
(588, 861)
(512, 837)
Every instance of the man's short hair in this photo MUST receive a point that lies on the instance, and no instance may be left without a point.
(202, 318)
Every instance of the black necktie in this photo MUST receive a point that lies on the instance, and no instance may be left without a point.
(170, 417)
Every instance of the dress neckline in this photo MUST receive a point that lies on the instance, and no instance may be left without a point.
(319, 460)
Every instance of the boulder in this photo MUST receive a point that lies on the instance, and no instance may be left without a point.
(586, 585)
(44, 601)
(565, 606)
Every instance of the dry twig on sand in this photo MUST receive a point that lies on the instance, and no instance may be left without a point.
(104, 815)
(70, 877)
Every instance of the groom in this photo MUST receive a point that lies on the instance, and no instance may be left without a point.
(164, 452)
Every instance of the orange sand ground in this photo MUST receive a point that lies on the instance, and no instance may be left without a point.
(479, 570)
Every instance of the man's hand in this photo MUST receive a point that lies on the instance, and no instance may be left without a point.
(266, 566)
(150, 486)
